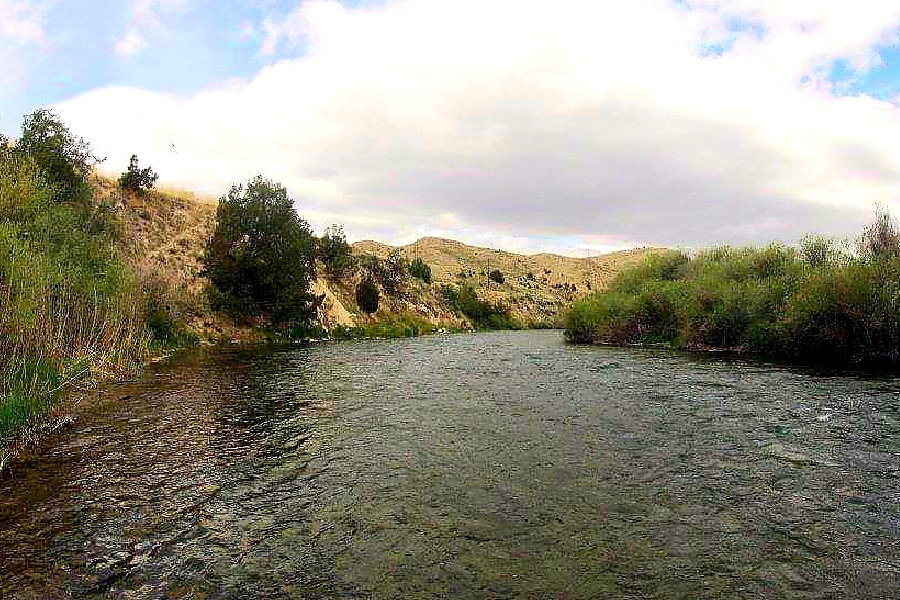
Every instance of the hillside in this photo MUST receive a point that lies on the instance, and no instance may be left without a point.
(165, 232)
(536, 286)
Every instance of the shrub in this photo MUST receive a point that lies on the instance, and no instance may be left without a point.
(880, 239)
(136, 179)
(367, 296)
(68, 303)
(817, 251)
(391, 273)
(449, 295)
(811, 305)
(260, 258)
(419, 270)
(394, 275)
(334, 251)
(65, 160)
(496, 276)
(483, 314)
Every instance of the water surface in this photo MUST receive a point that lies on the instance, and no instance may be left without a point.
(497, 465)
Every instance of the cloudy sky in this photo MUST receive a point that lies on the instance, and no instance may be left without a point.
(574, 126)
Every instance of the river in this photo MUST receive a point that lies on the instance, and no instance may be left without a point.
(490, 465)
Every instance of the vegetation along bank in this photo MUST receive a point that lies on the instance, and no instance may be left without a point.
(822, 303)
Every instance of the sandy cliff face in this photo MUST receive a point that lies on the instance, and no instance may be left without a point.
(165, 233)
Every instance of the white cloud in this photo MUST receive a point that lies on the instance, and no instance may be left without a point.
(612, 123)
(149, 11)
(146, 18)
(21, 22)
(129, 45)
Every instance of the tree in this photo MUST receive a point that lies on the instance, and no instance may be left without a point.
(880, 239)
(419, 270)
(137, 179)
(496, 276)
(817, 250)
(335, 252)
(65, 160)
(367, 296)
(395, 272)
(260, 258)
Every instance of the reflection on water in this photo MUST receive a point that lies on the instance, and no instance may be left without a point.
(489, 466)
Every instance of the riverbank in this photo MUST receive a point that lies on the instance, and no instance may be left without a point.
(819, 304)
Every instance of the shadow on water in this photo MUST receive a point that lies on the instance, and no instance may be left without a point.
(498, 465)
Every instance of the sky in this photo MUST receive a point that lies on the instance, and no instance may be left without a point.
(571, 126)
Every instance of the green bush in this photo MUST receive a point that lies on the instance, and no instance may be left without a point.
(483, 314)
(334, 252)
(367, 296)
(880, 239)
(69, 306)
(818, 304)
(136, 179)
(260, 258)
(65, 160)
(419, 270)
(391, 273)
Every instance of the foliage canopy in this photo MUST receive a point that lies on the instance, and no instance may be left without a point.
(335, 252)
(367, 296)
(260, 258)
(67, 300)
(137, 179)
(420, 270)
(65, 160)
(817, 304)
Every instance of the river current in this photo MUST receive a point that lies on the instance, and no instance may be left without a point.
(491, 465)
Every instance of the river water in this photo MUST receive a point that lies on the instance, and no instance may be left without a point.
(494, 465)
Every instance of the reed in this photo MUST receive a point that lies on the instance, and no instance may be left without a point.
(70, 310)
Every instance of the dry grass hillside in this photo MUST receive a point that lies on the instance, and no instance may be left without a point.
(165, 232)
(536, 287)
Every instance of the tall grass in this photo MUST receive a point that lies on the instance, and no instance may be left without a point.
(69, 308)
(818, 303)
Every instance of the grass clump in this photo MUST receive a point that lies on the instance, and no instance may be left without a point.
(818, 303)
(390, 327)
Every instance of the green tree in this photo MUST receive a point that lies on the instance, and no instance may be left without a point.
(260, 258)
(335, 252)
(419, 270)
(395, 272)
(880, 239)
(65, 160)
(496, 276)
(367, 296)
(137, 179)
(817, 251)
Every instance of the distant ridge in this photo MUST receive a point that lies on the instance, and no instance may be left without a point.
(537, 287)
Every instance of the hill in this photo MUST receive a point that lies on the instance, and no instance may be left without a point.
(165, 233)
(536, 287)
